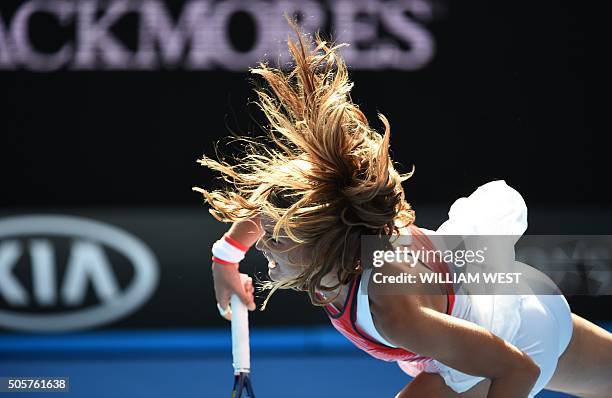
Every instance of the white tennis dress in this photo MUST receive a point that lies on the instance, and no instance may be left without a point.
(539, 325)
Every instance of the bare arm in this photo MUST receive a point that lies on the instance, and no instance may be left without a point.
(227, 277)
(408, 321)
(246, 232)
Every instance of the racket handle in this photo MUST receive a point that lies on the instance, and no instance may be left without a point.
(240, 333)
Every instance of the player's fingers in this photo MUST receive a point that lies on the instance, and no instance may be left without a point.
(248, 300)
(235, 286)
(247, 295)
(226, 312)
(223, 303)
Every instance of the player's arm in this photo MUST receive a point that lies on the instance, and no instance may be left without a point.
(226, 274)
(407, 321)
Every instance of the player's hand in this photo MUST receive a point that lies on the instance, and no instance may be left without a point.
(227, 282)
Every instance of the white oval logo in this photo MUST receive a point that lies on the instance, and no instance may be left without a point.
(87, 259)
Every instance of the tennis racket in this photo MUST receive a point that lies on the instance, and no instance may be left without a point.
(240, 347)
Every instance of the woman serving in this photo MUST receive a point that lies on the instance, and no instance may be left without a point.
(322, 180)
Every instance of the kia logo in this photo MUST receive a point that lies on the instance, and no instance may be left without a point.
(87, 265)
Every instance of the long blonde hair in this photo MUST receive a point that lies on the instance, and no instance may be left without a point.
(349, 187)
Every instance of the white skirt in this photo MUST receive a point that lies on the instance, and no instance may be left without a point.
(539, 325)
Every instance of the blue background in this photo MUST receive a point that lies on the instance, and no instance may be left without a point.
(289, 362)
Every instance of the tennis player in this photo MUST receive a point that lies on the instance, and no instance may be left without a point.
(323, 179)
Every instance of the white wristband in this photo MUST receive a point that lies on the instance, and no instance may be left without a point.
(227, 251)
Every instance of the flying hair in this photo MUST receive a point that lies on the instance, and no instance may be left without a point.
(321, 174)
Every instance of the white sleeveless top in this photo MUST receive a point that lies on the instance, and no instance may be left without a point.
(493, 209)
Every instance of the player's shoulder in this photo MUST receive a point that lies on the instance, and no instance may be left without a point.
(397, 287)
(397, 314)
